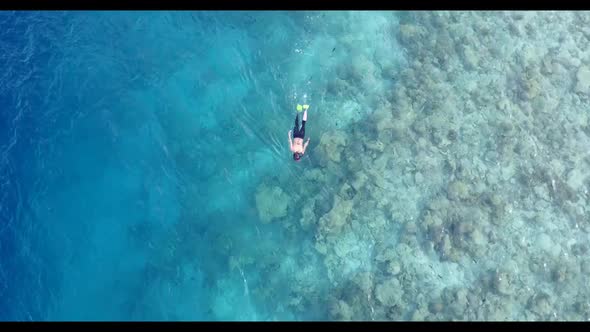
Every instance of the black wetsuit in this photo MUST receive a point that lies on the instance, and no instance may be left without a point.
(299, 132)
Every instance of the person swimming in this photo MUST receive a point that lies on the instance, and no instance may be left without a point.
(296, 145)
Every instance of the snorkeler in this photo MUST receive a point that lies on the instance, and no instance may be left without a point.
(296, 145)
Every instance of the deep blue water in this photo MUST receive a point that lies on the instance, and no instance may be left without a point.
(131, 145)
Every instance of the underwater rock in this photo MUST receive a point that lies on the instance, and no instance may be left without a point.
(582, 307)
(377, 176)
(410, 33)
(444, 50)
(459, 230)
(420, 128)
(389, 293)
(457, 301)
(271, 202)
(359, 181)
(544, 242)
(418, 178)
(420, 313)
(579, 249)
(436, 233)
(341, 311)
(316, 175)
(332, 222)
(308, 218)
(389, 261)
(532, 87)
(585, 266)
(583, 80)
(353, 164)
(374, 146)
(576, 178)
(395, 313)
(331, 146)
(386, 255)
(502, 283)
(364, 280)
(321, 245)
(337, 86)
(506, 128)
(470, 57)
(383, 119)
(497, 205)
(436, 306)
(322, 206)
(411, 229)
(540, 304)
(394, 268)
(559, 274)
(546, 66)
(438, 138)
(445, 248)
(347, 192)
(460, 233)
(458, 190)
(479, 241)
(452, 135)
(361, 69)
(439, 204)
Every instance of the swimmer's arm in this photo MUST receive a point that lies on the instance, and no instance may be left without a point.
(305, 145)
(290, 141)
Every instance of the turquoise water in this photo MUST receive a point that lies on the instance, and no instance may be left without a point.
(145, 171)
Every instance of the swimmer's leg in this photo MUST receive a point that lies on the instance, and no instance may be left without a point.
(296, 129)
(302, 131)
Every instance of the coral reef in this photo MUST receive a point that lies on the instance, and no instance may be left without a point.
(463, 194)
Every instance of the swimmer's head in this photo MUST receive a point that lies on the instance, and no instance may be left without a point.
(297, 156)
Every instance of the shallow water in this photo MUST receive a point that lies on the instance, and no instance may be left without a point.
(145, 171)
